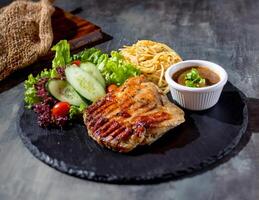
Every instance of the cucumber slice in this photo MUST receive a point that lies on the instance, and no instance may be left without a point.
(94, 71)
(85, 84)
(63, 91)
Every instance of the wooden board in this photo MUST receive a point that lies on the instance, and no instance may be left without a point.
(78, 31)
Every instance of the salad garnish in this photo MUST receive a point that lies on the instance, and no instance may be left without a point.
(115, 69)
(62, 56)
(59, 95)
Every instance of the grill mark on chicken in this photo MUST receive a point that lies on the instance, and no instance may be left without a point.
(112, 126)
(111, 107)
(123, 114)
(125, 134)
(102, 129)
(139, 128)
(129, 116)
(97, 104)
(100, 122)
(117, 132)
(103, 108)
(152, 120)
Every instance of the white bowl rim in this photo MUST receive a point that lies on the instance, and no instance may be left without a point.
(172, 83)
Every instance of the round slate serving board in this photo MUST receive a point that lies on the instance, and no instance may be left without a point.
(203, 139)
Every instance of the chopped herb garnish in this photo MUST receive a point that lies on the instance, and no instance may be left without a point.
(193, 79)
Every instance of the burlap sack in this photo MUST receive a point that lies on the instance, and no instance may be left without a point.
(25, 34)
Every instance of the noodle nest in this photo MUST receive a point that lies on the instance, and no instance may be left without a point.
(153, 59)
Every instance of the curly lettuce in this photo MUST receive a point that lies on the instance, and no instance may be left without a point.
(62, 58)
(76, 111)
(114, 69)
(62, 54)
(30, 94)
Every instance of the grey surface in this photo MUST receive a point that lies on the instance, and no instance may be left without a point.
(225, 32)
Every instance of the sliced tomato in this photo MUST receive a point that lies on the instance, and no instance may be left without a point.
(60, 109)
(76, 62)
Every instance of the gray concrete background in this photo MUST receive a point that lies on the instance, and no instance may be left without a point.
(225, 32)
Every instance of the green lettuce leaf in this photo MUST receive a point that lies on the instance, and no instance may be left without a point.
(88, 55)
(30, 94)
(62, 54)
(76, 111)
(117, 70)
(62, 58)
(114, 69)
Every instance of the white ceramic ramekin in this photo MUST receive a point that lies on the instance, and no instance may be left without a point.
(196, 98)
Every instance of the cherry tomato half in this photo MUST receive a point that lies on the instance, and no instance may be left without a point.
(76, 62)
(60, 109)
(111, 88)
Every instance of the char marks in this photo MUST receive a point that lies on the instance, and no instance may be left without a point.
(129, 116)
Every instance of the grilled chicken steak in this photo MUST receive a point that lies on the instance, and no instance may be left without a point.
(137, 113)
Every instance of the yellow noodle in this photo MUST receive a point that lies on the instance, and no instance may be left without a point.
(153, 59)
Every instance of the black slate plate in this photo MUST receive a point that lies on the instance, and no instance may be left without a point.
(203, 139)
